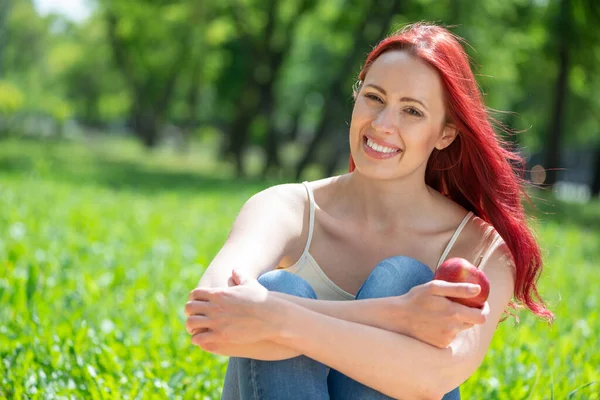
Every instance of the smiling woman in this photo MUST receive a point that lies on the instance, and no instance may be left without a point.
(386, 106)
(333, 296)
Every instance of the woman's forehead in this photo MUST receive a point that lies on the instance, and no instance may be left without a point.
(399, 72)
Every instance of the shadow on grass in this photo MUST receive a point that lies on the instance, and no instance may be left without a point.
(142, 172)
(125, 175)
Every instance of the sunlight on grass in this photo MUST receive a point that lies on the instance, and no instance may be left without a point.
(101, 244)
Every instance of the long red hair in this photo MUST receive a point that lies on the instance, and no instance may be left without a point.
(477, 170)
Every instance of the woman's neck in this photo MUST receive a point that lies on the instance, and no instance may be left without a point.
(379, 205)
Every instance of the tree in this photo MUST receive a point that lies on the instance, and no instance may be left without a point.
(595, 189)
(5, 8)
(260, 55)
(151, 43)
(372, 26)
(563, 56)
(575, 42)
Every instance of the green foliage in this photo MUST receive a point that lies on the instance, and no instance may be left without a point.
(187, 63)
(25, 30)
(11, 98)
(59, 109)
(101, 245)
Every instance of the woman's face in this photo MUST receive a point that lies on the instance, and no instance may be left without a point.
(398, 117)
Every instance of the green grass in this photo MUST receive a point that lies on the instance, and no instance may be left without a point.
(100, 245)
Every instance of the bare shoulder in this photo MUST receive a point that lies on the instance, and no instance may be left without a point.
(281, 205)
(286, 197)
(269, 224)
(479, 242)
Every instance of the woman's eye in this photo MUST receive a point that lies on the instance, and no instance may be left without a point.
(373, 97)
(414, 112)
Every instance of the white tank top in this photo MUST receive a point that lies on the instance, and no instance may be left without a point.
(307, 267)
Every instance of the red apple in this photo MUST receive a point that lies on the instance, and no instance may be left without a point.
(460, 270)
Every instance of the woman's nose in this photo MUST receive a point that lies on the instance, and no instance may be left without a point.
(385, 121)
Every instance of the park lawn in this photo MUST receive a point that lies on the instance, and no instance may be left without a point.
(101, 244)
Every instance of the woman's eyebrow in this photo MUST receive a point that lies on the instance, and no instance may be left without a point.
(409, 99)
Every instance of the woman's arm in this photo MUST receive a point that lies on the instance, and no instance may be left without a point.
(269, 224)
(394, 364)
(268, 211)
(424, 314)
(272, 216)
(275, 216)
(421, 314)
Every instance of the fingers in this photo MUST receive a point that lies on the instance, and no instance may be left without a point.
(196, 307)
(231, 282)
(451, 289)
(197, 320)
(465, 326)
(240, 276)
(197, 323)
(235, 277)
(474, 316)
(202, 293)
(471, 315)
(202, 339)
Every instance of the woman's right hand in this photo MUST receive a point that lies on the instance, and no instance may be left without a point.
(430, 317)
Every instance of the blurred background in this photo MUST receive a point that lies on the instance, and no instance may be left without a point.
(263, 88)
(133, 131)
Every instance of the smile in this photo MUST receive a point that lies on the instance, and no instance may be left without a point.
(379, 148)
(379, 151)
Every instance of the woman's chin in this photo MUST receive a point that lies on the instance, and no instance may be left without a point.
(377, 172)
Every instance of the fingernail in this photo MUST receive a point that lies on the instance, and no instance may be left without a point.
(473, 289)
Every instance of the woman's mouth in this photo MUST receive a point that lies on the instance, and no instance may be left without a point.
(378, 151)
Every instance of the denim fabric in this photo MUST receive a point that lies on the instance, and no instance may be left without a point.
(302, 377)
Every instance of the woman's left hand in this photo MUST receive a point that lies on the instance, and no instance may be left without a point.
(241, 314)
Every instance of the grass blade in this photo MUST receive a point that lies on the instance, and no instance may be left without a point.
(571, 394)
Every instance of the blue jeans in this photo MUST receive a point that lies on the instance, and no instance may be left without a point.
(302, 377)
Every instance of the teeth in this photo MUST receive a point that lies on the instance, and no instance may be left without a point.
(379, 148)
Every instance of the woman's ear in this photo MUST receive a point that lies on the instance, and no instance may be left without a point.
(449, 133)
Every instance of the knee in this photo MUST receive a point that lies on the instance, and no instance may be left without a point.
(402, 266)
(395, 276)
(288, 283)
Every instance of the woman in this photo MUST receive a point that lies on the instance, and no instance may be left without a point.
(428, 180)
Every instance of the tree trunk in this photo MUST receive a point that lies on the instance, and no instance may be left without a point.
(272, 139)
(146, 125)
(271, 144)
(552, 161)
(271, 151)
(337, 89)
(596, 181)
(263, 53)
(275, 61)
(192, 102)
(292, 134)
(338, 150)
(239, 139)
(5, 6)
(150, 105)
(316, 139)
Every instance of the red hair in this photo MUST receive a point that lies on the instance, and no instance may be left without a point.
(477, 170)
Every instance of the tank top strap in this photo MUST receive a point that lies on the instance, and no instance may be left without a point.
(494, 241)
(453, 238)
(311, 216)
